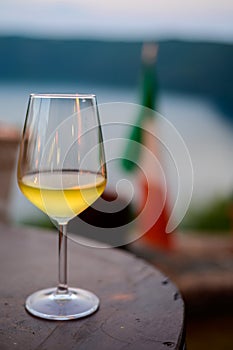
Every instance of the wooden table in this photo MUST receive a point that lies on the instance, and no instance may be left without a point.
(140, 308)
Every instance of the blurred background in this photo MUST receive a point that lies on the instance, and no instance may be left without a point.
(87, 46)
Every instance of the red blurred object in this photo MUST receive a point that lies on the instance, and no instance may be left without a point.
(153, 216)
(155, 236)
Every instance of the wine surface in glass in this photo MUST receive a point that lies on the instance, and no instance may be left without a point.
(62, 194)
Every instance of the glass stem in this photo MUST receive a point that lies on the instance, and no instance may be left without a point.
(62, 260)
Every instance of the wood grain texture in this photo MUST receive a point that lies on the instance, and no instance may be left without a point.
(140, 308)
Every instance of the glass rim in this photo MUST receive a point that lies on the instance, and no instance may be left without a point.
(62, 95)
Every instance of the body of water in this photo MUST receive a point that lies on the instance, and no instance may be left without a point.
(207, 134)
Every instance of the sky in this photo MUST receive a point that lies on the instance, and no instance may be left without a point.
(120, 19)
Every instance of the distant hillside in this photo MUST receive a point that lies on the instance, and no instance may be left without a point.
(192, 67)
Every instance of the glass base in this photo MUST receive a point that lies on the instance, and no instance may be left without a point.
(47, 303)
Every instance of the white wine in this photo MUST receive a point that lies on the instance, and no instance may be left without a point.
(62, 171)
(62, 194)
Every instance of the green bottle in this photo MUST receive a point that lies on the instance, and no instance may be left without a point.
(149, 92)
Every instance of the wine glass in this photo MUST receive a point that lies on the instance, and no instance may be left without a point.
(61, 170)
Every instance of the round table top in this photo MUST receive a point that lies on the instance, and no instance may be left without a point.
(140, 308)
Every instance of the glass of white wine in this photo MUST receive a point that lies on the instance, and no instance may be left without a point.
(61, 170)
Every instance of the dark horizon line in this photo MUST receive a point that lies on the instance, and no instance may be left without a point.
(100, 39)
